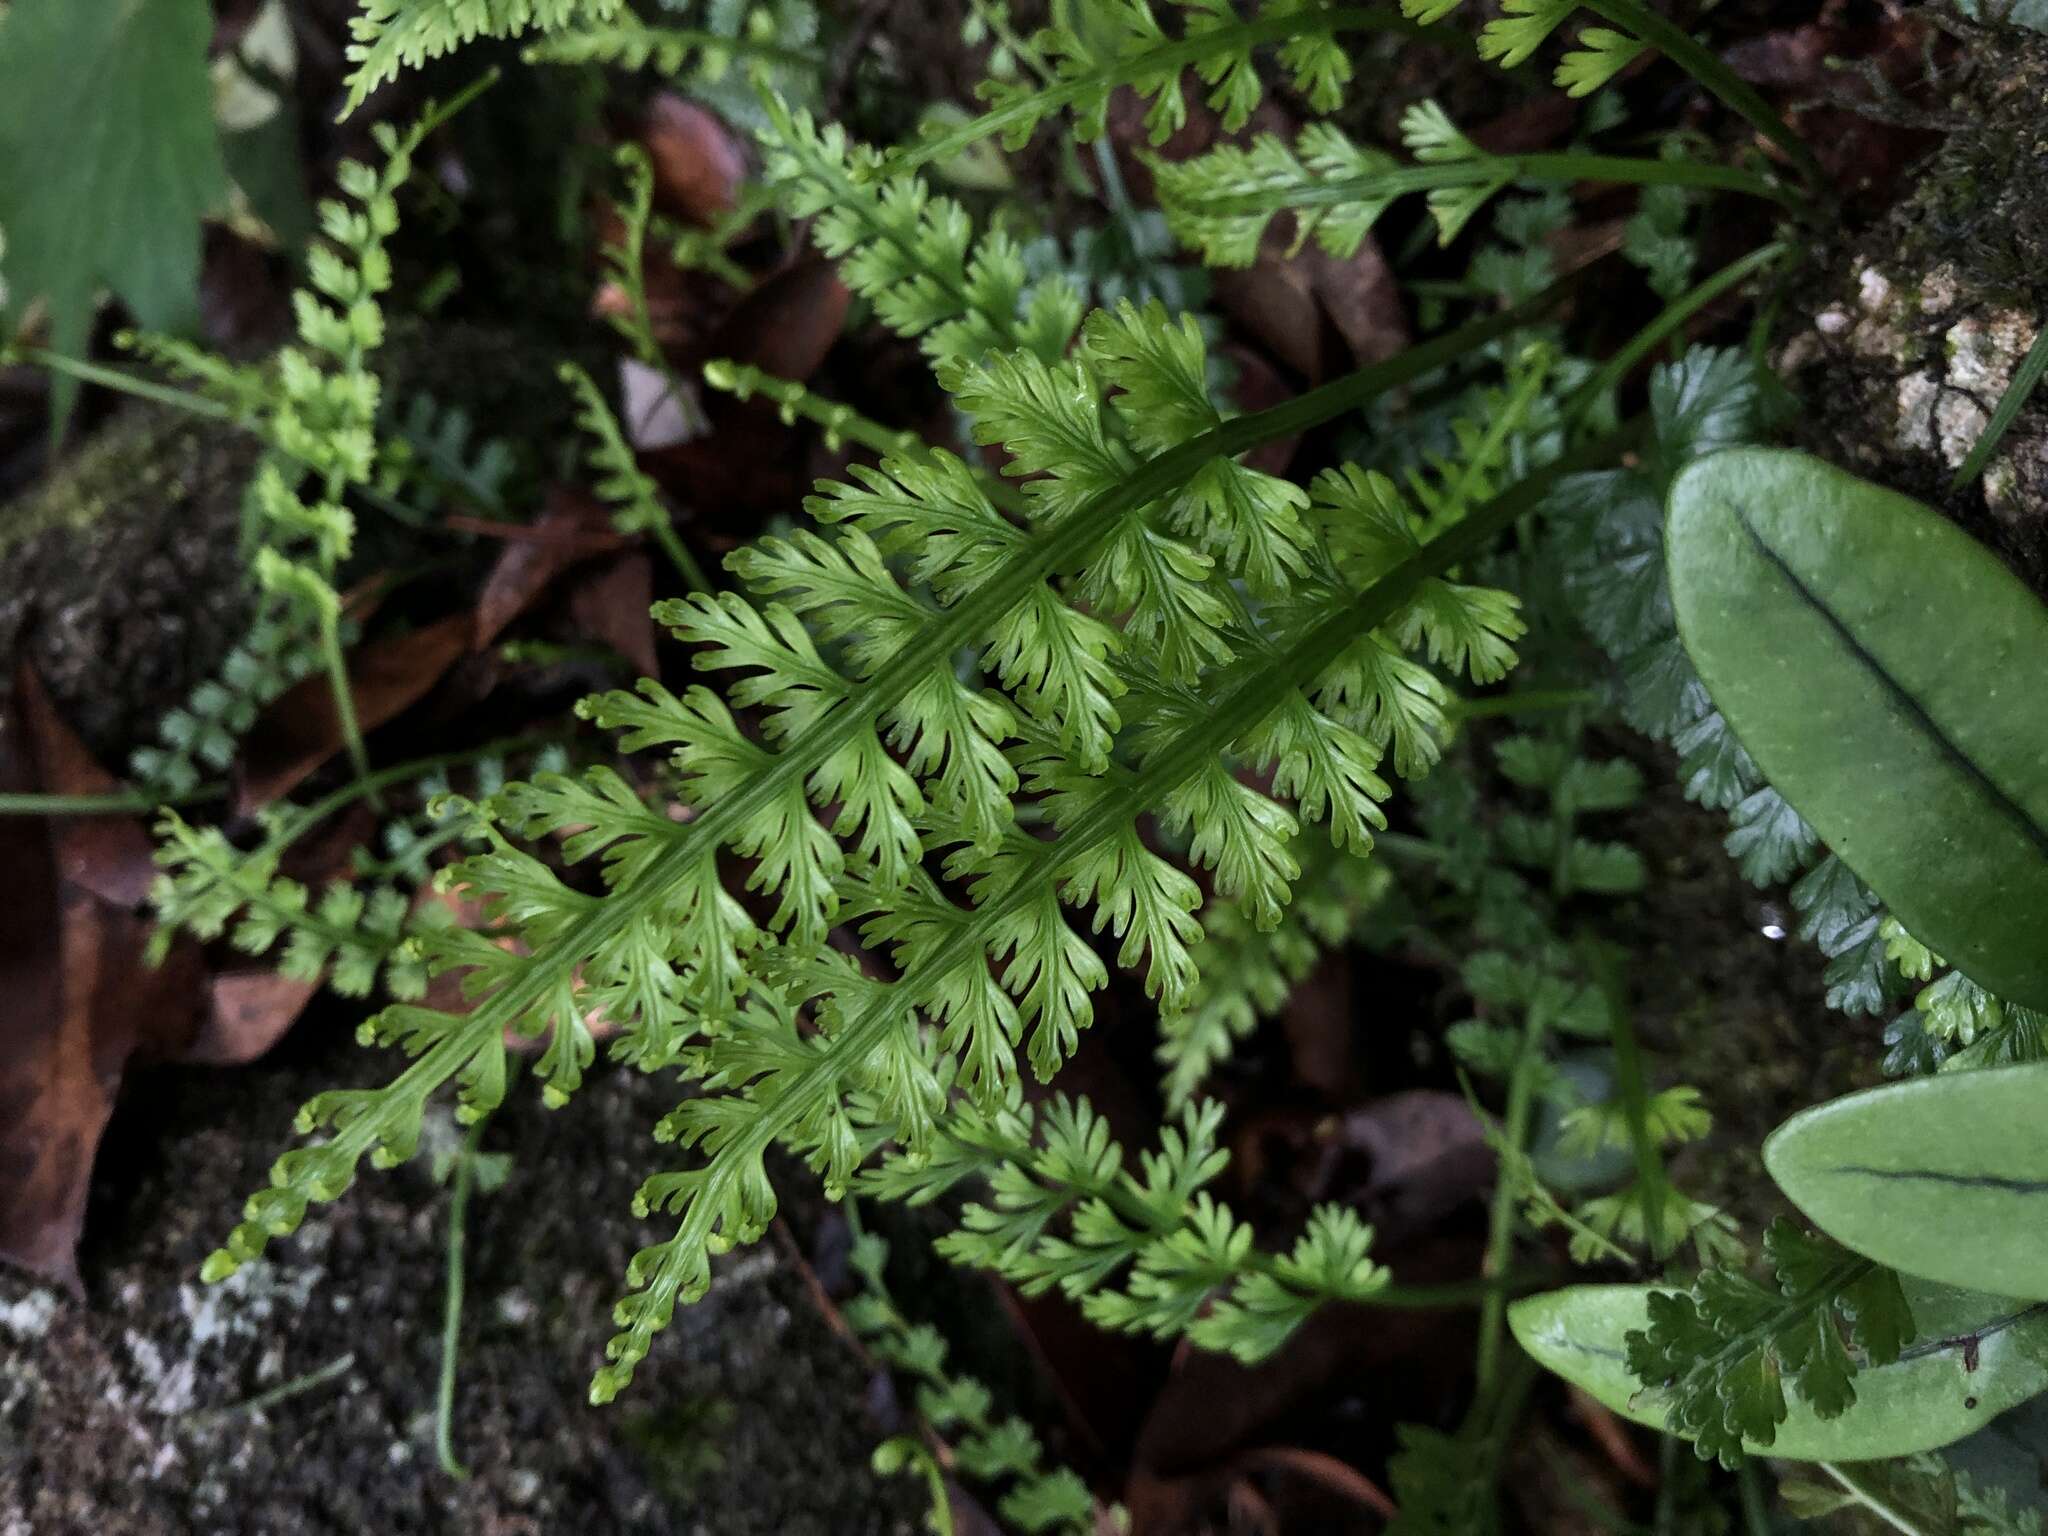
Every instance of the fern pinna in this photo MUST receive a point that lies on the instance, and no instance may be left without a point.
(1153, 616)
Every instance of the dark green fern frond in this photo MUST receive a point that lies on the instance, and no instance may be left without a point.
(352, 938)
(1065, 1213)
(1089, 55)
(1724, 1352)
(1005, 1453)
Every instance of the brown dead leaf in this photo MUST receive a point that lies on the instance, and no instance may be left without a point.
(111, 856)
(1428, 1157)
(698, 163)
(573, 527)
(1322, 1469)
(247, 1012)
(1363, 300)
(788, 323)
(76, 1002)
(301, 731)
(1316, 314)
(611, 604)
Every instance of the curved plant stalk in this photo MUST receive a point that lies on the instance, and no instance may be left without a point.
(1670, 320)
(1678, 45)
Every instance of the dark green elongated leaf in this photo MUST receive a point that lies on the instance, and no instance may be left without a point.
(1885, 671)
(1977, 1356)
(108, 158)
(1943, 1176)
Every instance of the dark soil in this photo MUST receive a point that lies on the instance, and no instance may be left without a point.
(299, 1396)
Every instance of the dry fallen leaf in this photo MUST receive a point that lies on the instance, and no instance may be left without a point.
(698, 163)
(611, 603)
(789, 321)
(301, 731)
(77, 999)
(572, 528)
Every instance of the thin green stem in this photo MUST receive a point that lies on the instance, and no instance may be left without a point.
(660, 44)
(206, 408)
(451, 1312)
(1398, 181)
(191, 402)
(997, 20)
(1678, 45)
(126, 803)
(284, 1391)
(1756, 1517)
(1865, 1495)
(2031, 369)
(1665, 1519)
(439, 113)
(1500, 1232)
(344, 695)
(304, 820)
(793, 399)
(1672, 318)
(1652, 1190)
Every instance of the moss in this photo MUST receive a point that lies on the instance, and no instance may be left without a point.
(1915, 324)
(1981, 201)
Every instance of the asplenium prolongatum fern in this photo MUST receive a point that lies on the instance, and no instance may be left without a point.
(1154, 617)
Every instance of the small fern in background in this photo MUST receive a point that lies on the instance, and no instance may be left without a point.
(959, 1410)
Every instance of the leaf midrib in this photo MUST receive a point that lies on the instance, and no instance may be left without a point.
(1950, 750)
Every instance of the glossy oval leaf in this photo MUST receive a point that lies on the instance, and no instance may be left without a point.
(1977, 1356)
(1945, 1177)
(1890, 677)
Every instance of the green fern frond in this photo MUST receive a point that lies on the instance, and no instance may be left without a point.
(390, 35)
(630, 492)
(794, 1089)
(1065, 1214)
(960, 1409)
(625, 258)
(841, 422)
(350, 937)
(201, 735)
(912, 254)
(1522, 28)
(1602, 54)
(1707, 400)
(1222, 202)
(316, 407)
(432, 448)
(1088, 57)
(626, 42)
(669, 955)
